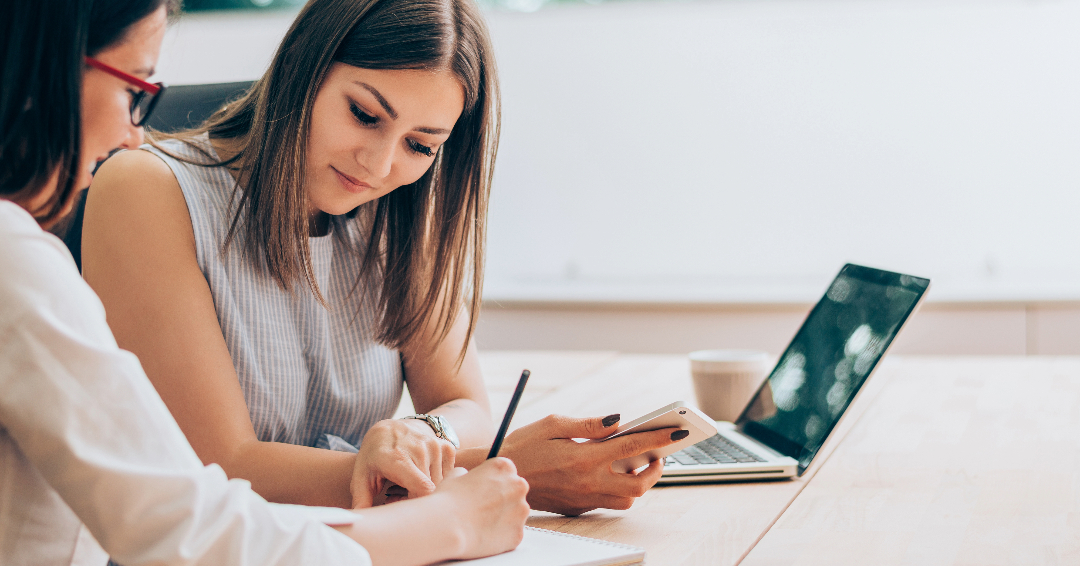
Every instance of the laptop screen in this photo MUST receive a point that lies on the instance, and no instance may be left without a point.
(829, 359)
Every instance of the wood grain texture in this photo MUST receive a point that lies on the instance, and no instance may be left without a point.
(960, 462)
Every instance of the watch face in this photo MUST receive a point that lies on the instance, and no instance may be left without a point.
(448, 431)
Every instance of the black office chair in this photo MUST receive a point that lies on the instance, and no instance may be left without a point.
(180, 108)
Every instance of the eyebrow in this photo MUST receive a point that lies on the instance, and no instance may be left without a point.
(378, 96)
(393, 113)
(145, 71)
(436, 131)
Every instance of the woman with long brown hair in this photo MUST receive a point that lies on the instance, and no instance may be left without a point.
(284, 269)
(91, 461)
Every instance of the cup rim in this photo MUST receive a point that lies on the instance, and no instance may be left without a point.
(729, 356)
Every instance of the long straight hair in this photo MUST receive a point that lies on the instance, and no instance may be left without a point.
(41, 68)
(425, 241)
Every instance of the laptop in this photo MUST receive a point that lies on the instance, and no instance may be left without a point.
(814, 382)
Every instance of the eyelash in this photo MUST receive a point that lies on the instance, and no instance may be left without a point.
(368, 120)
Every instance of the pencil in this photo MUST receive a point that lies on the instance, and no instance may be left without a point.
(495, 446)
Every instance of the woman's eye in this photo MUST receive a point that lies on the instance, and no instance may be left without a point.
(421, 149)
(363, 117)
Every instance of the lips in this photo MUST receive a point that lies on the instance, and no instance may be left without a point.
(351, 184)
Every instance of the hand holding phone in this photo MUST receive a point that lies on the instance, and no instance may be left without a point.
(676, 415)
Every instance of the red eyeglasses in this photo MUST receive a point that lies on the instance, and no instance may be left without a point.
(142, 102)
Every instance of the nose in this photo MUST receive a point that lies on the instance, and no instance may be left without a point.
(134, 138)
(379, 158)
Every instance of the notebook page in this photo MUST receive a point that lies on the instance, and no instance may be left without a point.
(541, 547)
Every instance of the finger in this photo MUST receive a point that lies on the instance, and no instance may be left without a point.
(362, 496)
(449, 457)
(441, 460)
(631, 484)
(559, 426)
(411, 478)
(639, 442)
(435, 467)
(365, 489)
(597, 501)
(652, 473)
(499, 465)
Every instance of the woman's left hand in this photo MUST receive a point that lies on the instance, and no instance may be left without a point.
(404, 452)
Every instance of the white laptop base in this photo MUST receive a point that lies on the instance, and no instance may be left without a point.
(686, 465)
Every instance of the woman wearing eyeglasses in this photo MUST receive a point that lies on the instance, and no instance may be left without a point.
(284, 269)
(91, 461)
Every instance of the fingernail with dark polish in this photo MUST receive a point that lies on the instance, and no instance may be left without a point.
(680, 434)
(610, 420)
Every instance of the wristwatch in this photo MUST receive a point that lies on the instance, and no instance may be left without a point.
(441, 426)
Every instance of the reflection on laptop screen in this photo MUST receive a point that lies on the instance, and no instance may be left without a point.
(829, 360)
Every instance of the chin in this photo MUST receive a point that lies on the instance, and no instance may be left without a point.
(338, 209)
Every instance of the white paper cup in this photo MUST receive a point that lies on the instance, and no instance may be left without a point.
(725, 380)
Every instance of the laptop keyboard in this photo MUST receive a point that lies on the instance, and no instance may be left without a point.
(713, 450)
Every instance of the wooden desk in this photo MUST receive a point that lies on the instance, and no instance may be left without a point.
(706, 524)
(948, 461)
(959, 461)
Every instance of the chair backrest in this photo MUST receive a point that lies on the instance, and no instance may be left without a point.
(187, 106)
(181, 107)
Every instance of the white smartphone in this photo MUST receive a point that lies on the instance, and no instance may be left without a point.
(675, 415)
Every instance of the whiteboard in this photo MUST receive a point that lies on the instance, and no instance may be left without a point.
(654, 150)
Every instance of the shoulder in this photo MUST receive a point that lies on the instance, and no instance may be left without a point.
(135, 206)
(134, 178)
(134, 172)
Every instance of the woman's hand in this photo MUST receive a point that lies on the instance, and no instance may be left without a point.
(470, 515)
(571, 478)
(404, 452)
(490, 505)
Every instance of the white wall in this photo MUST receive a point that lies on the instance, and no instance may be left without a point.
(657, 143)
(743, 149)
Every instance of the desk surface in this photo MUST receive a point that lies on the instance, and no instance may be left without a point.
(939, 461)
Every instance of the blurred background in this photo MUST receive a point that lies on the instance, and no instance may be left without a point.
(676, 175)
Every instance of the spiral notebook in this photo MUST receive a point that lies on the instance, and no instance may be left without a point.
(541, 547)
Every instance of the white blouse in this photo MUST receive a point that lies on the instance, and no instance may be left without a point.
(89, 453)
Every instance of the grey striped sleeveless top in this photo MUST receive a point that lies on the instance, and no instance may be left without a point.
(311, 375)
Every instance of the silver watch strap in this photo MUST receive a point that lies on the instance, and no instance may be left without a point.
(439, 425)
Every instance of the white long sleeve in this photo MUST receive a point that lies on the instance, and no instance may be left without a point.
(85, 440)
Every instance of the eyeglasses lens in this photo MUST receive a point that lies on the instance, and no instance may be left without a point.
(143, 104)
(138, 110)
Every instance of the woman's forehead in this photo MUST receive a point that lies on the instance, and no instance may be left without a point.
(421, 93)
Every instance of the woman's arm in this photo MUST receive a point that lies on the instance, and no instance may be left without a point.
(139, 256)
(81, 421)
(439, 386)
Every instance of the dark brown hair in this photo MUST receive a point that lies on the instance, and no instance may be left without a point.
(42, 45)
(41, 73)
(425, 241)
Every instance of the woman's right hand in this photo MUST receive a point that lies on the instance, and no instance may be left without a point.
(571, 478)
(470, 515)
(488, 504)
